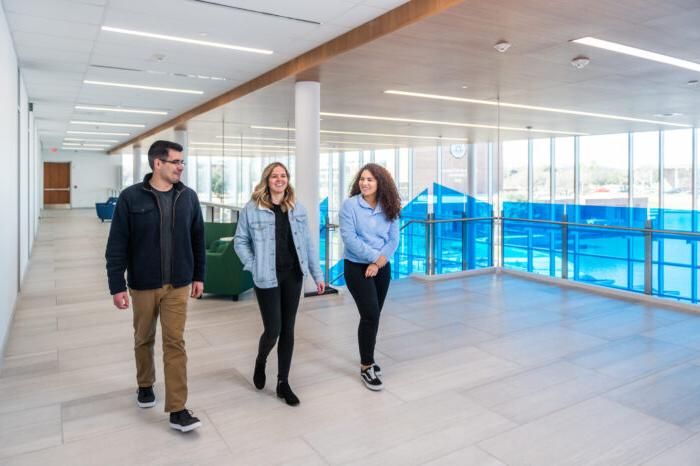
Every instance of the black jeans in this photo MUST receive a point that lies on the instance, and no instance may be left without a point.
(369, 295)
(278, 308)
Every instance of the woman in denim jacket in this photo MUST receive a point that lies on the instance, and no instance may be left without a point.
(369, 226)
(273, 242)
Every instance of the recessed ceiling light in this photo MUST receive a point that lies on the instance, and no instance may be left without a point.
(139, 86)
(247, 150)
(227, 144)
(255, 138)
(360, 143)
(98, 133)
(90, 140)
(447, 123)
(361, 133)
(693, 82)
(102, 123)
(83, 148)
(529, 107)
(186, 40)
(639, 53)
(465, 87)
(84, 145)
(120, 110)
(668, 114)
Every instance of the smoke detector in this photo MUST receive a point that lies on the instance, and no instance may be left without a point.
(580, 62)
(502, 46)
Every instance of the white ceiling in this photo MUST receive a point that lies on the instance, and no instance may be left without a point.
(455, 48)
(60, 43)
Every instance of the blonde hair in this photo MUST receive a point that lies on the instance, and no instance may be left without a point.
(261, 194)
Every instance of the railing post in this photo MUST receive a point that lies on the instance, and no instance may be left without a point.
(429, 246)
(465, 243)
(648, 257)
(564, 246)
(492, 244)
(327, 252)
(503, 240)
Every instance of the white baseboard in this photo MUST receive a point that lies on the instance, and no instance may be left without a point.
(448, 276)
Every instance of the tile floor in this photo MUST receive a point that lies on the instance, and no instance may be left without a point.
(486, 370)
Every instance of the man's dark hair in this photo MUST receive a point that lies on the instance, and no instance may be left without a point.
(159, 150)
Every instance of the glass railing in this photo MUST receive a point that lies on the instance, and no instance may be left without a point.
(219, 213)
(655, 251)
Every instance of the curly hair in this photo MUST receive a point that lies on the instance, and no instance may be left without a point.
(387, 193)
(261, 193)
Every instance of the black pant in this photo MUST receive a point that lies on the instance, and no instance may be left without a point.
(278, 307)
(369, 294)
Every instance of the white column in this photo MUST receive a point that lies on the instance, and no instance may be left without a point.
(307, 108)
(181, 138)
(136, 167)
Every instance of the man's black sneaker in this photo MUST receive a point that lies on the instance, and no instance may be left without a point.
(184, 421)
(259, 376)
(285, 392)
(377, 370)
(146, 398)
(370, 379)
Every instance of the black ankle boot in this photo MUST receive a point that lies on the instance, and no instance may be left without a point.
(259, 375)
(284, 391)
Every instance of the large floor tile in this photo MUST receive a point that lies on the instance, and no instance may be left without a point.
(597, 431)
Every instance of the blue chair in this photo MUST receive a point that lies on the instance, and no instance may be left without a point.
(105, 210)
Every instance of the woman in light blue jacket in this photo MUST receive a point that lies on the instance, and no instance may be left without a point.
(273, 242)
(369, 226)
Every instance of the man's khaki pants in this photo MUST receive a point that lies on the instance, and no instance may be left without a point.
(171, 304)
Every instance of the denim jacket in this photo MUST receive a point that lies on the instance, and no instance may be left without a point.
(254, 243)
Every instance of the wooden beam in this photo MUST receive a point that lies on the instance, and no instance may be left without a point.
(404, 15)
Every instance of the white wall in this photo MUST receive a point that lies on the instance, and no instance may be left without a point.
(92, 175)
(24, 181)
(18, 184)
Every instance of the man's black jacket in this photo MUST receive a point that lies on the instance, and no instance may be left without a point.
(134, 239)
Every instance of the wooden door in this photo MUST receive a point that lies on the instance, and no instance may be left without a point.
(56, 183)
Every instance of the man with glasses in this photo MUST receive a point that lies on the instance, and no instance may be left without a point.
(157, 236)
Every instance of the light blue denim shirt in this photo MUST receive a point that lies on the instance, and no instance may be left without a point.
(254, 243)
(366, 232)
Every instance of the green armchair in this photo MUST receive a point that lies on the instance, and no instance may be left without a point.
(225, 274)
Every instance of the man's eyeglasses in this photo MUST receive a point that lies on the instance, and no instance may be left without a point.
(175, 162)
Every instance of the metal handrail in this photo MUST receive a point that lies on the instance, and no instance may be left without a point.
(647, 232)
(211, 206)
(555, 222)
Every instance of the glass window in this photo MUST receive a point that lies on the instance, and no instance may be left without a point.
(203, 178)
(127, 169)
(455, 167)
(424, 167)
(603, 165)
(515, 170)
(231, 181)
(645, 150)
(678, 165)
(540, 170)
(217, 179)
(191, 168)
(564, 170)
(403, 180)
(386, 158)
(481, 154)
(352, 165)
(145, 167)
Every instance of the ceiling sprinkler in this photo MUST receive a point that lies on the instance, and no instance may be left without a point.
(580, 62)
(502, 46)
